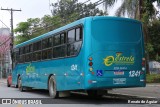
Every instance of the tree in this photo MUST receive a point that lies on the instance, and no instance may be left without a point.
(25, 30)
(63, 12)
(138, 9)
(142, 10)
(71, 10)
(154, 35)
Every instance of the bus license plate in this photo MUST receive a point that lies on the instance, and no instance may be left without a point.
(119, 80)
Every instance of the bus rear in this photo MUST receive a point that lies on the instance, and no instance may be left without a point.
(117, 58)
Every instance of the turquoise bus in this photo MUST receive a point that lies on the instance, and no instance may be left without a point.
(90, 54)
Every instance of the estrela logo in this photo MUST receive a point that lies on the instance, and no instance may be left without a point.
(119, 59)
(109, 60)
(30, 69)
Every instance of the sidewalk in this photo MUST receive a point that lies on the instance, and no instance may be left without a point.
(150, 91)
(3, 81)
(153, 84)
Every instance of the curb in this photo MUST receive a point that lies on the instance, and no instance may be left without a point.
(153, 85)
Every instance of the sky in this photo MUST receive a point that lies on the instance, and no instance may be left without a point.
(30, 9)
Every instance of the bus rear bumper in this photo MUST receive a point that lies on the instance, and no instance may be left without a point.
(103, 83)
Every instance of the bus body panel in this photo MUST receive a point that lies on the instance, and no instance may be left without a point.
(117, 52)
(100, 41)
(69, 74)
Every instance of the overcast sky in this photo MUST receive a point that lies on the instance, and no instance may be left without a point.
(30, 9)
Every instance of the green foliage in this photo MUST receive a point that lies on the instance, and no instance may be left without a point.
(22, 27)
(71, 10)
(154, 36)
(63, 12)
(149, 47)
(129, 7)
(132, 9)
(153, 78)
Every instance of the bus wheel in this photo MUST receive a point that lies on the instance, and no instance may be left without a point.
(52, 87)
(20, 87)
(16, 86)
(8, 85)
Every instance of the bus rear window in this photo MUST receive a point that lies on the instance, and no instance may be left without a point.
(116, 31)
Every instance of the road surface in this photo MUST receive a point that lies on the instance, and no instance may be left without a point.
(80, 99)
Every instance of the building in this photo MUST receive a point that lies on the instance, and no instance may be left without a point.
(5, 56)
(154, 67)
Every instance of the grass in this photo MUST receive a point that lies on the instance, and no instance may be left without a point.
(153, 78)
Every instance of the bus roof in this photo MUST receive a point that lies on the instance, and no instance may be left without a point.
(81, 21)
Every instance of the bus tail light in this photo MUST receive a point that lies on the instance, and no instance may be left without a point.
(143, 65)
(90, 63)
(143, 61)
(90, 59)
(91, 69)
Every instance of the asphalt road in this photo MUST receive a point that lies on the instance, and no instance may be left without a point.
(76, 99)
(150, 91)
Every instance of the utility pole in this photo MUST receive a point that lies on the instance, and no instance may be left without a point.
(12, 34)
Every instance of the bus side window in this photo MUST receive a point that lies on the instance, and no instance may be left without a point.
(63, 50)
(36, 51)
(23, 50)
(74, 48)
(44, 54)
(50, 42)
(30, 48)
(17, 56)
(44, 43)
(26, 49)
(56, 40)
(78, 34)
(71, 36)
(20, 51)
(57, 52)
(21, 56)
(38, 55)
(63, 38)
(37, 46)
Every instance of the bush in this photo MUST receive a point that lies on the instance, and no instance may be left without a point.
(153, 78)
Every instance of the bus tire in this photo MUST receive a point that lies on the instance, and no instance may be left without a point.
(8, 85)
(20, 87)
(52, 87)
(16, 86)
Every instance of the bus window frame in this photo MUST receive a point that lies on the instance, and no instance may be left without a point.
(64, 44)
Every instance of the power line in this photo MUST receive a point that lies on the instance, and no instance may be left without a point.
(4, 23)
(95, 4)
(12, 34)
(8, 38)
(5, 41)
